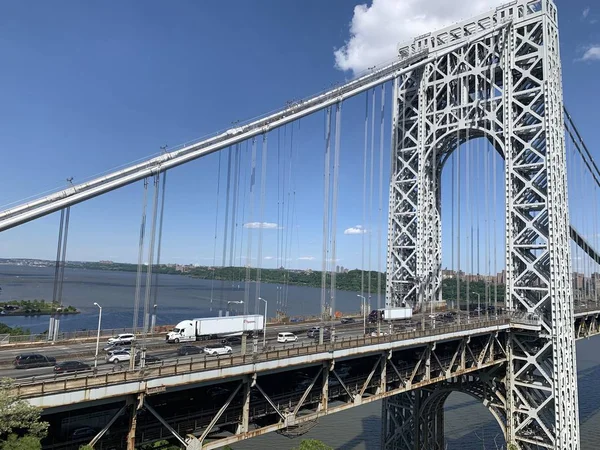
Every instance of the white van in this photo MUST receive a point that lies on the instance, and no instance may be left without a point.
(286, 337)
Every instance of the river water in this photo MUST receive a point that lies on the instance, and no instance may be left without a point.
(469, 426)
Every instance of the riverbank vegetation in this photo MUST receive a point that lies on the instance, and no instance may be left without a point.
(352, 280)
(34, 308)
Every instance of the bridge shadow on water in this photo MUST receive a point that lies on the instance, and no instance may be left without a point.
(369, 438)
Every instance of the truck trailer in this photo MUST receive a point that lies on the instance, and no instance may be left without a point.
(215, 327)
(390, 314)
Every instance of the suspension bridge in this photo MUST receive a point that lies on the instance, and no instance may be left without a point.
(471, 107)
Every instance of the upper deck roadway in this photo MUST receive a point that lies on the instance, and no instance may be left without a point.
(347, 373)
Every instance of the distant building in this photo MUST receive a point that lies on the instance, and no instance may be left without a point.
(106, 262)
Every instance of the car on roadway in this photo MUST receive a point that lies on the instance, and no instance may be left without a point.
(149, 359)
(123, 337)
(71, 366)
(232, 340)
(30, 360)
(347, 320)
(286, 337)
(218, 349)
(118, 345)
(118, 356)
(326, 335)
(312, 332)
(185, 350)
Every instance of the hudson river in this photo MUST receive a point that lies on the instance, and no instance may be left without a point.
(469, 426)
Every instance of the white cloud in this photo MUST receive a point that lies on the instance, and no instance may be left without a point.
(586, 12)
(376, 30)
(269, 257)
(306, 258)
(592, 54)
(358, 229)
(263, 225)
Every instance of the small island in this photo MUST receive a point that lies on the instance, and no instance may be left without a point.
(34, 308)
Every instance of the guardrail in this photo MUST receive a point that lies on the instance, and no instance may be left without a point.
(35, 387)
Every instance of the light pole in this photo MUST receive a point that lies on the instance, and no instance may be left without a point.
(364, 308)
(265, 325)
(98, 335)
(478, 303)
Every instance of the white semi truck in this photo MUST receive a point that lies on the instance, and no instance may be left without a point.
(390, 314)
(215, 327)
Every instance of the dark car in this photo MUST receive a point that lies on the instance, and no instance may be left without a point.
(149, 359)
(185, 350)
(232, 340)
(71, 366)
(346, 320)
(29, 360)
(326, 335)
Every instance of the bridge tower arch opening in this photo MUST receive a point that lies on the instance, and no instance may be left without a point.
(426, 405)
(506, 85)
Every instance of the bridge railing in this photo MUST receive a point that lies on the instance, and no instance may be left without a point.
(38, 387)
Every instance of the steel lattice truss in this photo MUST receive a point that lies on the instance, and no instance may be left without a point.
(507, 88)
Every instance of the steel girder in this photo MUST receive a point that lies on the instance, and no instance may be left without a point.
(507, 88)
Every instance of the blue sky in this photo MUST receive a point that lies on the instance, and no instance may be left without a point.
(87, 87)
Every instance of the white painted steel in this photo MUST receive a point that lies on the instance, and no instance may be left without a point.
(507, 88)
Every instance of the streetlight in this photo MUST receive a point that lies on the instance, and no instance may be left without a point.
(98, 336)
(364, 308)
(478, 303)
(265, 325)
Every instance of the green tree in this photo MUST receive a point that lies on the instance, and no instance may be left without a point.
(13, 442)
(20, 425)
(312, 444)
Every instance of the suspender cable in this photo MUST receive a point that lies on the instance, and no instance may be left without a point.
(243, 157)
(263, 183)
(250, 220)
(336, 170)
(226, 225)
(364, 220)
(380, 226)
(469, 235)
(53, 317)
(287, 220)
(149, 270)
(151, 257)
(458, 193)
(235, 196)
(138, 279)
(325, 218)
(160, 230)
(58, 256)
(61, 274)
(214, 263)
(279, 221)
(371, 169)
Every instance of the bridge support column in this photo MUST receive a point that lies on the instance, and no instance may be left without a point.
(245, 419)
(133, 421)
(325, 387)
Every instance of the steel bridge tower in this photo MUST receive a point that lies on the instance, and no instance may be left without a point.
(504, 85)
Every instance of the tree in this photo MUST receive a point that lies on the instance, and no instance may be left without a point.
(312, 444)
(20, 425)
(13, 442)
